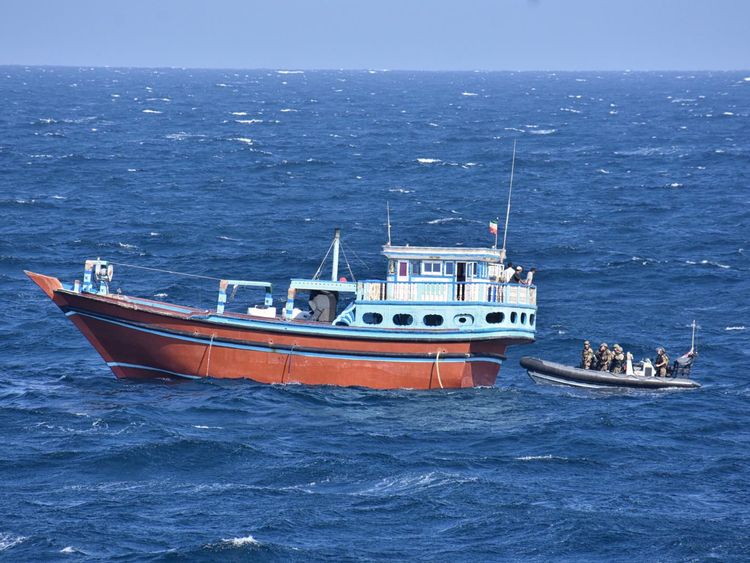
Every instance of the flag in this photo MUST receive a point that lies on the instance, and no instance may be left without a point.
(493, 227)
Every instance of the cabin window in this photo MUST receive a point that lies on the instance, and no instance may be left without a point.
(432, 320)
(403, 319)
(475, 269)
(523, 318)
(449, 268)
(463, 320)
(513, 317)
(495, 318)
(430, 268)
(532, 318)
(403, 269)
(372, 318)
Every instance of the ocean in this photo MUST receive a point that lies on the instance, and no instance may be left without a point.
(631, 197)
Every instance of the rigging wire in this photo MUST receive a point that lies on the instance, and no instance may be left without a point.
(317, 273)
(165, 271)
(347, 263)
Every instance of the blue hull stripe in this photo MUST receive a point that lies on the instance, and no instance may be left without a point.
(285, 352)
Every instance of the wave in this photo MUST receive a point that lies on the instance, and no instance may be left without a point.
(8, 541)
(429, 161)
(542, 131)
(469, 94)
(248, 121)
(739, 327)
(290, 72)
(540, 458)
(244, 140)
(401, 190)
(571, 110)
(242, 541)
(288, 110)
(444, 220)
(150, 111)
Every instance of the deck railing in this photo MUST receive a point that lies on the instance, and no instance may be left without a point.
(447, 292)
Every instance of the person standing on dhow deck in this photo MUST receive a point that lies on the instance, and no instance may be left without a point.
(508, 273)
(587, 355)
(662, 362)
(604, 357)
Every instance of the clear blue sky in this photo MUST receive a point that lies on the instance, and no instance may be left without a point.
(392, 34)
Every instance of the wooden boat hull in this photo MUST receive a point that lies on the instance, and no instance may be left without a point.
(542, 371)
(139, 338)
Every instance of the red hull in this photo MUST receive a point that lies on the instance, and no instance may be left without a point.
(144, 340)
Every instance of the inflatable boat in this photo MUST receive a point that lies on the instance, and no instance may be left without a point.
(543, 371)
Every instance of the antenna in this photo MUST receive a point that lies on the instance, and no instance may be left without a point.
(692, 341)
(510, 191)
(388, 214)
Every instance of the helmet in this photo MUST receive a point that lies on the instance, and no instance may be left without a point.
(519, 269)
(586, 343)
(660, 350)
(603, 345)
(617, 347)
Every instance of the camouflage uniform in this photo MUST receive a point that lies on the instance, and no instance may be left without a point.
(662, 362)
(587, 356)
(618, 360)
(603, 357)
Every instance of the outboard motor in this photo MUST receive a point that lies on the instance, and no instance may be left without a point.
(648, 368)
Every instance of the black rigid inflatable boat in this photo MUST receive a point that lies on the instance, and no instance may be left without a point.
(543, 371)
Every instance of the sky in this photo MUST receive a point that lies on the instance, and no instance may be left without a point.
(379, 34)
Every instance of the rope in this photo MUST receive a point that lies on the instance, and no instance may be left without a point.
(437, 365)
(288, 362)
(347, 263)
(165, 271)
(210, 345)
(317, 273)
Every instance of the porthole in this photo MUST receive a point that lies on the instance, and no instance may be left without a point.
(523, 318)
(463, 320)
(513, 317)
(372, 318)
(402, 319)
(495, 318)
(532, 318)
(432, 320)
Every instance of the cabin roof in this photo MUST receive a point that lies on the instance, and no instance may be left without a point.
(444, 253)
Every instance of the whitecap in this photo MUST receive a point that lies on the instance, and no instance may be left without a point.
(401, 190)
(239, 542)
(603, 171)
(154, 234)
(542, 131)
(287, 110)
(470, 164)
(132, 170)
(222, 85)
(248, 121)
(571, 110)
(58, 197)
(125, 245)
(244, 140)
(675, 185)
(739, 327)
(161, 295)
(727, 113)
(290, 72)
(239, 113)
(469, 94)
(540, 458)
(443, 220)
(70, 549)
(223, 237)
(746, 79)
(9, 540)
(203, 427)
(431, 124)
(429, 160)
(150, 111)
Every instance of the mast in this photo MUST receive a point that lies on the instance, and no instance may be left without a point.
(510, 191)
(388, 215)
(336, 243)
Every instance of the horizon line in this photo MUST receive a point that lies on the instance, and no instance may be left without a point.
(361, 69)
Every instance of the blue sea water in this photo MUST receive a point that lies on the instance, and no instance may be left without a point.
(631, 197)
